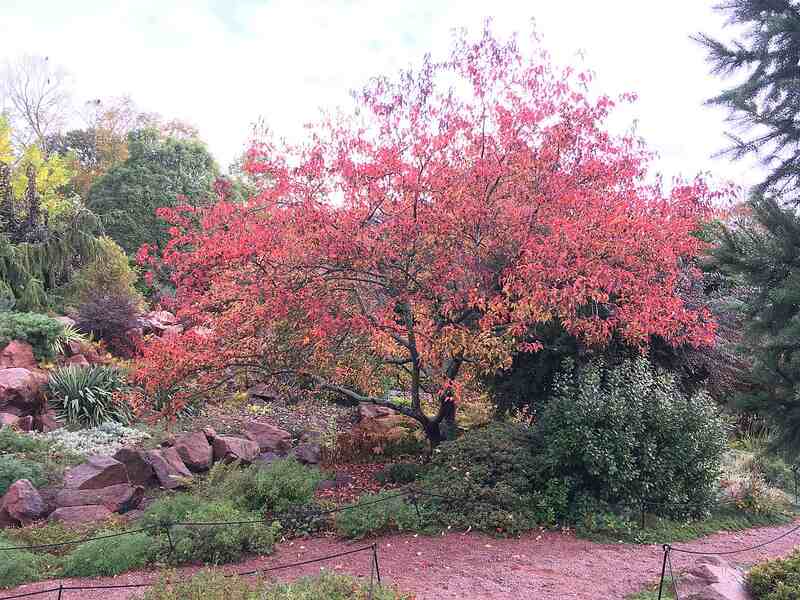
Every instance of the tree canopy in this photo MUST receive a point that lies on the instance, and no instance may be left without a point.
(159, 171)
(427, 236)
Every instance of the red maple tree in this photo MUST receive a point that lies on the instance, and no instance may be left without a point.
(422, 239)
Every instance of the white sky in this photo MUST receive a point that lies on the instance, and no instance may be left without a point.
(220, 64)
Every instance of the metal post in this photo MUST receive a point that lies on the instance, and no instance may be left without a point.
(169, 538)
(60, 590)
(663, 570)
(375, 559)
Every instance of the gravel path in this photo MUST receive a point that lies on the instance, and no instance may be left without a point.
(471, 566)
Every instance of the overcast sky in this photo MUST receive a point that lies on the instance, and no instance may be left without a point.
(221, 64)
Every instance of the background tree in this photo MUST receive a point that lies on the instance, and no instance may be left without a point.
(429, 235)
(759, 251)
(158, 172)
(36, 97)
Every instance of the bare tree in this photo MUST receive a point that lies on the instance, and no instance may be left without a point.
(36, 98)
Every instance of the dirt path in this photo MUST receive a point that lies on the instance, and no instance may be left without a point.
(471, 567)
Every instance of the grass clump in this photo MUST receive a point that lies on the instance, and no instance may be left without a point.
(213, 585)
(111, 556)
(273, 488)
(13, 468)
(18, 566)
(170, 509)
(219, 544)
(377, 514)
(88, 396)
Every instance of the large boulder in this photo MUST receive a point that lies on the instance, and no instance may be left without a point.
(307, 454)
(20, 391)
(156, 321)
(228, 449)
(169, 468)
(8, 419)
(47, 421)
(195, 451)
(268, 437)
(21, 504)
(17, 354)
(140, 471)
(116, 498)
(261, 392)
(711, 578)
(80, 514)
(367, 410)
(97, 472)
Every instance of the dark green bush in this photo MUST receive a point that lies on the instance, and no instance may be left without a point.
(170, 509)
(214, 585)
(776, 579)
(18, 566)
(272, 488)
(626, 434)
(775, 471)
(86, 396)
(400, 473)
(485, 480)
(111, 556)
(12, 469)
(380, 513)
(40, 331)
(218, 544)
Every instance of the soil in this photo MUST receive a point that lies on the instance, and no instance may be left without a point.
(547, 565)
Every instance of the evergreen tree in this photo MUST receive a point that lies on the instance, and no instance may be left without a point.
(765, 104)
(158, 172)
(759, 251)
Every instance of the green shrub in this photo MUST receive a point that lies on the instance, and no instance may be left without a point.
(87, 396)
(18, 566)
(111, 556)
(218, 544)
(57, 533)
(380, 513)
(485, 479)
(14, 442)
(775, 471)
(400, 473)
(626, 433)
(776, 579)
(110, 272)
(214, 585)
(170, 509)
(40, 331)
(13, 468)
(272, 488)
(329, 587)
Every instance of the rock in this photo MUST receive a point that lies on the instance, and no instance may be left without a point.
(17, 354)
(21, 504)
(268, 437)
(169, 468)
(156, 321)
(47, 421)
(80, 514)
(266, 458)
(25, 423)
(162, 316)
(79, 360)
(20, 391)
(172, 331)
(373, 411)
(261, 392)
(310, 436)
(116, 498)
(228, 448)
(201, 332)
(97, 472)
(711, 578)
(8, 419)
(140, 472)
(66, 321)
(209, 433)
(307, 454)
(195, 451)
(133, 515)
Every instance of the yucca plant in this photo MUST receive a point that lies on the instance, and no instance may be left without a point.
(70, 333)
(86, 395)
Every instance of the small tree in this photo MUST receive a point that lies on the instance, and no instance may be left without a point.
(427, 237)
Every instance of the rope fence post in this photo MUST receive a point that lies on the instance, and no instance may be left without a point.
(794, 476)
(666, 549)
(375, 560)
(169, 537)
(60, 590)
